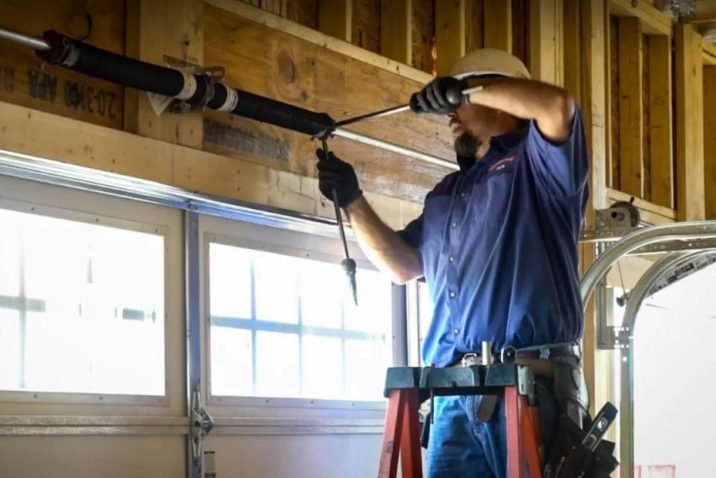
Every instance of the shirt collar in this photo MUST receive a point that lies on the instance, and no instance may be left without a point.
(507, 141)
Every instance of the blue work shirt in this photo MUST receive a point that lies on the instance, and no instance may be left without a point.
(499, 247)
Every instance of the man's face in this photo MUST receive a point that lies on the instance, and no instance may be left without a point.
(469, 123)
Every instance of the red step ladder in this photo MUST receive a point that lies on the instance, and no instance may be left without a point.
(401, 437)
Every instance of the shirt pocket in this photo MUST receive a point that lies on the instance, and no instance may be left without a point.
(491, 196)
(435, 216)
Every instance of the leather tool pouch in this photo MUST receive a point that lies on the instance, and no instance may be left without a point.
(570, 390)
(568, 458)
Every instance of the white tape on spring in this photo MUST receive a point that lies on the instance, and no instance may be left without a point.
(189, 87)
(232, 98)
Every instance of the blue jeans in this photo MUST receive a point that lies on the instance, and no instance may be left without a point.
(461, 447)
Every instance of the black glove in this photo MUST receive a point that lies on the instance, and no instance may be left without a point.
(443, 95)
(339, 175)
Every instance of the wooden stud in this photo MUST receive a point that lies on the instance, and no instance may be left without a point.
(365, 21)
(613, 103)
(498, 27)
(521, 30)
(396, 30)
(335, 18)
(449, 33)
(304, 12)
(690, 203)
(546, 54)
(660, 121)
(277, 7)
(631, 115)
(169, 32)
(474, 25)
(594, 21)
(423, 35)
(710, 140)
(572, 49)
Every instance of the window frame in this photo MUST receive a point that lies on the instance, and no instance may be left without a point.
(301, 243)
(98, 215)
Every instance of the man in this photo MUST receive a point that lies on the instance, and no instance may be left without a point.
(497, 245)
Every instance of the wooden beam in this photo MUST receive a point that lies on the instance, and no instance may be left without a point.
(654, 21)
(705, 12)
(323, 40)
(26, 81)
(498, 27)
(710, 140)
(689, 124)
(169, 32)
(449, 33)
(709, 53)
(54, 137)
(546, 53)
(396, 40)
(660, 121)
(631, 117)
(334, 18)
(278, 65)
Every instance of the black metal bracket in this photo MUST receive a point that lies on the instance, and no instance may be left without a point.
(473, 380)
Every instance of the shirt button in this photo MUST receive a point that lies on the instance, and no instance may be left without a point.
(452, 294)
(456, 331)
(462, 195)
(451, 258)
(454, 224)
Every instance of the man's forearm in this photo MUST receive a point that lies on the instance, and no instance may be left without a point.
(550, 106)
(383, 246)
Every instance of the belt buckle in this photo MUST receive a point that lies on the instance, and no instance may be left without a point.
(469, 359)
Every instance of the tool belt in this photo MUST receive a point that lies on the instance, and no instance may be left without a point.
(560, 363)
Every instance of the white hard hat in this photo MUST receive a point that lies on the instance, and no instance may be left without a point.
(489, 61)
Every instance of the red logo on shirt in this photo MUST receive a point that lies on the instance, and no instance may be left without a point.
(501, 164)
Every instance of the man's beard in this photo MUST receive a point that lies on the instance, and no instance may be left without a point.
(466, 146)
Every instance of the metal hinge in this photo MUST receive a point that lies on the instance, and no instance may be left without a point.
(201, 425)
(616, 338)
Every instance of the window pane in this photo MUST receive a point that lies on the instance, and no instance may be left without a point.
(322, 287)
(276, 287)
(93, 303)
(231, 361)
(374, 312)
(277, 364)
(9, 263)
(322, 367)
(366, 364)
(10, 351)
(230, 281)
(303, 317)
